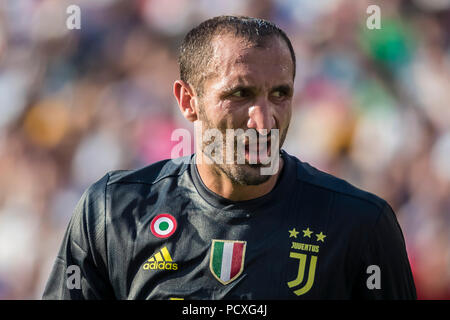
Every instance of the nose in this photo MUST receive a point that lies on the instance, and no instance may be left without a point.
(260, 116)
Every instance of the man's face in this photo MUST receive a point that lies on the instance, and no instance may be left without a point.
(248, 87)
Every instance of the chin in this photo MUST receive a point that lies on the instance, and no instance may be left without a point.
(245, 174)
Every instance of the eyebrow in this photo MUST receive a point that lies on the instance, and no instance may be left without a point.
(230, 89)
(284, 87)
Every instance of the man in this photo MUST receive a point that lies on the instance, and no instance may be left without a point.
(204, 229)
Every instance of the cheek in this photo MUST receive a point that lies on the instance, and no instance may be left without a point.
(283, 114)
(288, 114)
(213, 116)
(228, 116)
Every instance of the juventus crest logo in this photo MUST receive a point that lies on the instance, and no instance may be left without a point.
(301, 273)
(299, 284)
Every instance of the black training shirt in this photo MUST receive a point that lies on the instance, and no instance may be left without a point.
(159, 233)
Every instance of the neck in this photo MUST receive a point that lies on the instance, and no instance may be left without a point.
(218, 182)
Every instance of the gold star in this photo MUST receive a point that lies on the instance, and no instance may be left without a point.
(307, 233)
(320, 236)
(293, 233)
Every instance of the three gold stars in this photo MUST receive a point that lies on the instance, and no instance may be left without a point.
(307, 233)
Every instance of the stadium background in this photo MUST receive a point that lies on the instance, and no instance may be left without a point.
(371, 106)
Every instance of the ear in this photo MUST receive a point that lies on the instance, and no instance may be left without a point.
(186, 99)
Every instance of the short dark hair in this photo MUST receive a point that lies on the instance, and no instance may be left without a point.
(196, 49)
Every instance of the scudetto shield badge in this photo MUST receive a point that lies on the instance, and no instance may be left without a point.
(227, 259)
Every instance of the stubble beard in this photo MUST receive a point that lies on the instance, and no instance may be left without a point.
(246, 174)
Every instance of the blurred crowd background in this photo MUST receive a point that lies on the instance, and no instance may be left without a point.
(371, 106)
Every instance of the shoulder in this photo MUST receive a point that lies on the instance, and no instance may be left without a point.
(151, 174)
(321, 179)
(348, 200)
(121, 186)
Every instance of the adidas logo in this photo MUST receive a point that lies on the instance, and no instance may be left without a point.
(161, 260)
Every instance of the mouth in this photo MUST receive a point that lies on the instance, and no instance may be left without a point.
(259, 152)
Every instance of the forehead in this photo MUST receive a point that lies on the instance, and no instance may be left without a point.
(235, 59)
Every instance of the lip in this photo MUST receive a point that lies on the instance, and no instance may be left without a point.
(268, 140)
(257, 155)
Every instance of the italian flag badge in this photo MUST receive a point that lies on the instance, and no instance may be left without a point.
(227, 259)
(163, 225)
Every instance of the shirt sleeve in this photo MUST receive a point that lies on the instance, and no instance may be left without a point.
(80, 271)
(385, 272)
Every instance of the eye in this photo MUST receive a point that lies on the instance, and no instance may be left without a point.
(279, 93)
(241, 93)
